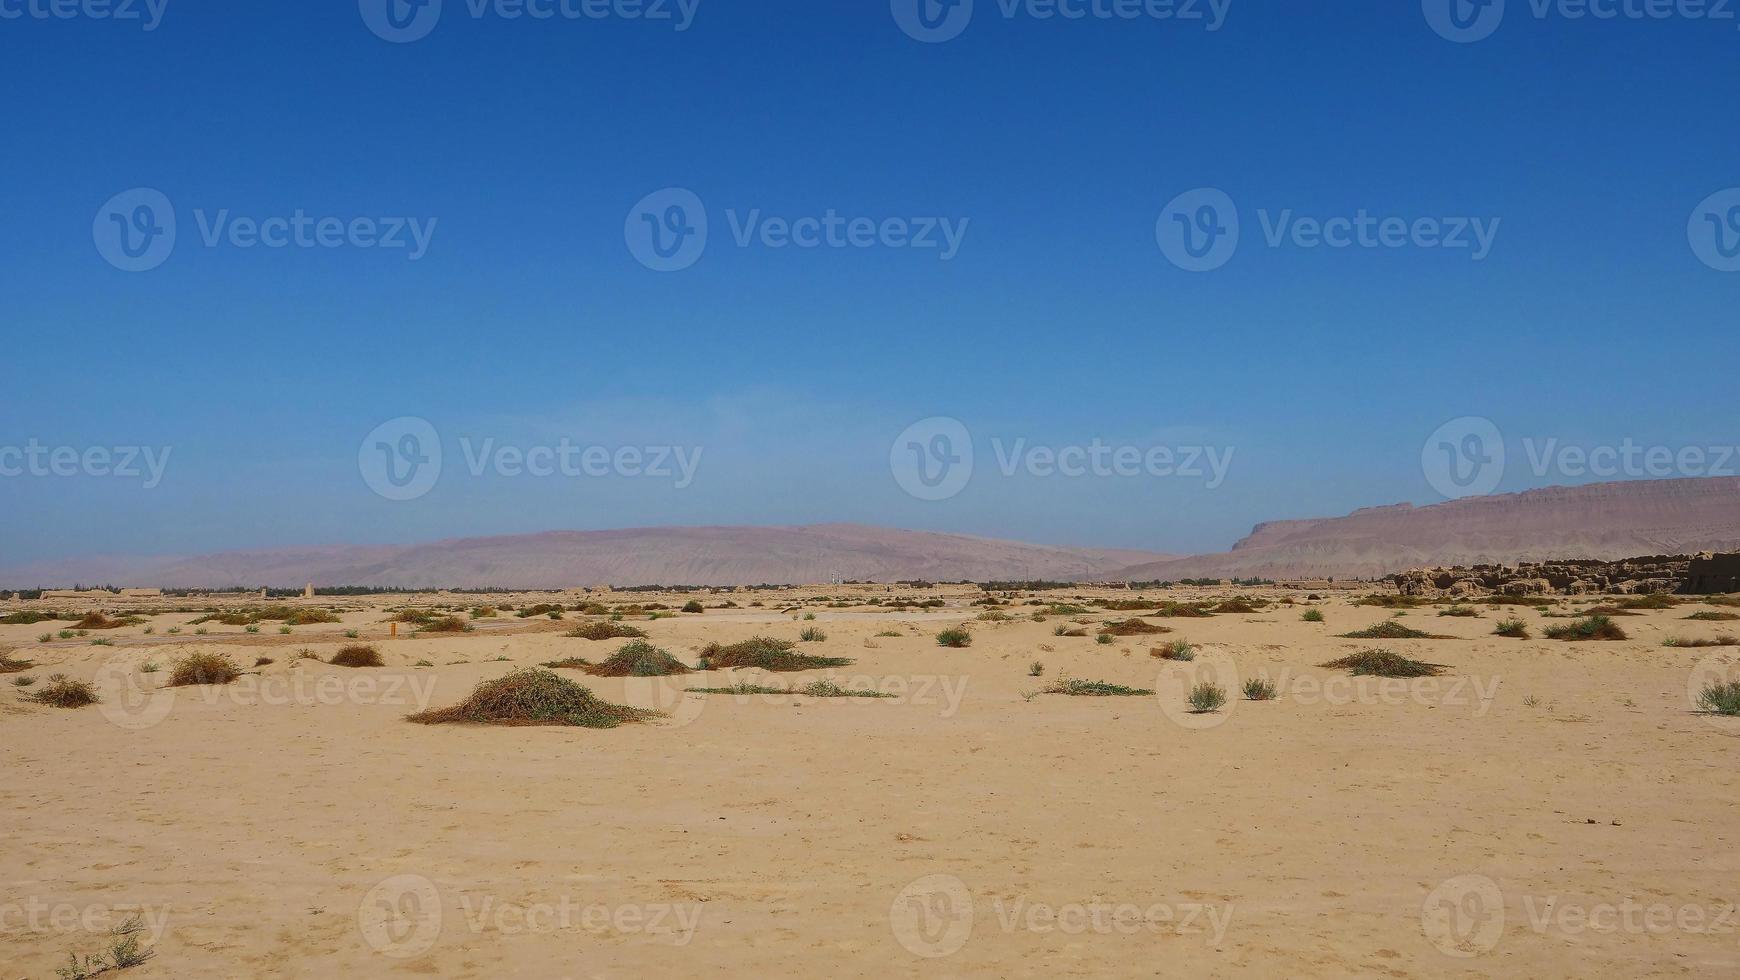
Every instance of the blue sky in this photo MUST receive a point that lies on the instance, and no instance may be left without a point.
(1060, 320)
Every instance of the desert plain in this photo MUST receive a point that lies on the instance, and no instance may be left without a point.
(1539, 808)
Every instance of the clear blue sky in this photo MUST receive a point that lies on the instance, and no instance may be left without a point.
(1059, 321)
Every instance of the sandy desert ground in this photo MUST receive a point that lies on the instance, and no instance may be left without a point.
(1542, 809)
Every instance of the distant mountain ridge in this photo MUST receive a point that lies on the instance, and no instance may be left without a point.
(1604, 520)
(1600, 520)
(717, 556)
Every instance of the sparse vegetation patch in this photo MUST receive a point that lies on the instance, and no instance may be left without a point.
(533, 697)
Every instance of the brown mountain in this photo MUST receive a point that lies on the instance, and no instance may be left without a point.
(1601, 520)
(641, 556)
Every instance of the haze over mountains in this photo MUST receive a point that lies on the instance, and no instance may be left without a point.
(637, 556)
(1599, 520)
(1608, 520)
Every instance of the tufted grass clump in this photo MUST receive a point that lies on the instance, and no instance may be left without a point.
(1260, 689)
(638, 658)
(1468, 612)
(533, 697)
(1383, 663)
(812, 635)
(603, 630)
(1721, 699)
(63, 692)
(357, 655)
(446, 624)
(1205, 698)
(1514, 628)
(954, 636)
(1714, 617)
(1720, 641)
(203, 668)
(1180, 650)
(1589, 628)
(1312, 615)
(766, 653)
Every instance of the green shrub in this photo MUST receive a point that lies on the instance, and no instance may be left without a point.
(812, 635)
(1513, 628)
(1390, 630)
(638, 658)
(533, 697)
(357, 656)
(954, 637)
(1383, 663)
(1592, 628)
(1258, 689)
(600, 630)
(1312, 615)
(829, 689)
(1206, 697)
(1174, 650)
(767, 654)
(1094, 689)
(203, 668)
(62, 692)
(1721, 699)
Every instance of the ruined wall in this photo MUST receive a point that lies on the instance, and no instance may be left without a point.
(1658, 573)
(1710, 574)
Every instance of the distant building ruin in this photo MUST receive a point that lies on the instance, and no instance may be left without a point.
(1703, 574)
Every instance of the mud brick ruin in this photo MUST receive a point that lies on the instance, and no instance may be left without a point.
(1701, 574)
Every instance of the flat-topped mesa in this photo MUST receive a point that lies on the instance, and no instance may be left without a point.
(1703, 574)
